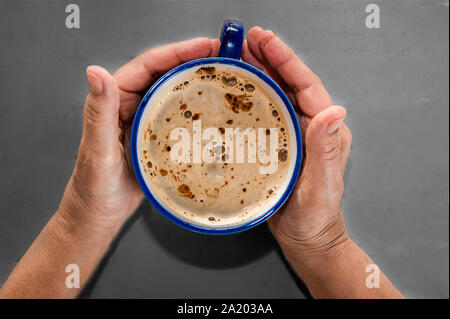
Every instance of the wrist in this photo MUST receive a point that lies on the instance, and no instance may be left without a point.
(80, 222)
(73, 213)
(70, 221)
(320, 248)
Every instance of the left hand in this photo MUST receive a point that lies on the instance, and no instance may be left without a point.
(311, 221)
(103, 191)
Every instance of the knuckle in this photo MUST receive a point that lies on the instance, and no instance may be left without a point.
(92, 112)
(318, 79)
(331, 149)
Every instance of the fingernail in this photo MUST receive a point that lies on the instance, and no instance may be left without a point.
(334, 126)
(95, 83)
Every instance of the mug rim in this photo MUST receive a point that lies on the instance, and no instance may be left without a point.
(152, 198)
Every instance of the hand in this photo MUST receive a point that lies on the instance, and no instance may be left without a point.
(311, 221)
(103, 191)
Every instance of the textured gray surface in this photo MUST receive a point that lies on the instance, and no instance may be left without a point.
(394, 82)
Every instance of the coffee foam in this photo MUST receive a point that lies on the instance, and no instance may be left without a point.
(213, 194)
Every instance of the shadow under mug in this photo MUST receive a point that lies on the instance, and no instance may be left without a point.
(232, 37)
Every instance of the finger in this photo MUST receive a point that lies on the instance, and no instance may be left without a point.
(248, 56)
(323, 149)
(311, 95)
(253, 37)
(137, 75)
(257, 58)
(101, 111)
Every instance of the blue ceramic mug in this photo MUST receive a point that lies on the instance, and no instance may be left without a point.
(232, 37)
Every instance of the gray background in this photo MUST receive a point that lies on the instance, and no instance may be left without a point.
(393, 80)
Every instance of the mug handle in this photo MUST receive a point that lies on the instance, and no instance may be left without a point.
(231, 38)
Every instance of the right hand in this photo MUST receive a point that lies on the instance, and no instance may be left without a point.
(311, 222)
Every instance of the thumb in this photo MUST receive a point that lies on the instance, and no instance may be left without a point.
(322, 143)
(101, 111)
